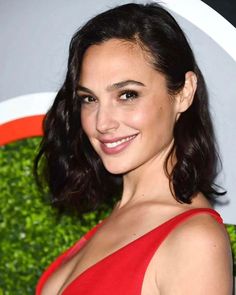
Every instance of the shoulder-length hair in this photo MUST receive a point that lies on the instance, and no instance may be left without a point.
(72, 168)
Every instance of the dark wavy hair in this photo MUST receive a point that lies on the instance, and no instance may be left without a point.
(72, 168)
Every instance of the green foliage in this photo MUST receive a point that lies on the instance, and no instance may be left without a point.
(32, 233)
(232, 234)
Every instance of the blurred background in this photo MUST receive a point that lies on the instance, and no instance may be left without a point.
(34, 38)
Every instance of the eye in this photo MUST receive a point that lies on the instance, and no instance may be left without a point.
(87, 99)
(128, 95)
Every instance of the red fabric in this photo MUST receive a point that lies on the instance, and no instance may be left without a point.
(125, 268)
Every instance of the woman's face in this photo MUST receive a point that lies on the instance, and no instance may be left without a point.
(126, 112)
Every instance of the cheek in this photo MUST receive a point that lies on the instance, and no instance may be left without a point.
(156, 121)
(137, 120)
(150, 117)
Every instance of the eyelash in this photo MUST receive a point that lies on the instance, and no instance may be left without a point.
(130, 93)
(84, 97)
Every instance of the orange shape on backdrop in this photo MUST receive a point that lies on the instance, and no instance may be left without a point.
(21, 128)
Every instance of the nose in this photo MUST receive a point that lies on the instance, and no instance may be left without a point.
(106, 120)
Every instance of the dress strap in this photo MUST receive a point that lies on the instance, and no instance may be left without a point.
(196, 211)
(162, 231)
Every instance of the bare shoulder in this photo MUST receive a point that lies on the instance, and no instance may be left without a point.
(201, 229)
(198, 258)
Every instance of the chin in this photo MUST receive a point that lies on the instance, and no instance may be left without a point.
(116, 168)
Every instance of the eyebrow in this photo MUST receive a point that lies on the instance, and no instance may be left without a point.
(122, 84)
(114, 86)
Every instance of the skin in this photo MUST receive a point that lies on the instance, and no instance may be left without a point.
(196, 256)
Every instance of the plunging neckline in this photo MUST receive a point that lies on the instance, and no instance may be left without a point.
(123, 248)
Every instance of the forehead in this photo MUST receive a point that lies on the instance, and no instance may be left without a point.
(117, 46)
(114, 60)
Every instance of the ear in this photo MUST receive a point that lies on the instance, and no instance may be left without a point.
(185, 97)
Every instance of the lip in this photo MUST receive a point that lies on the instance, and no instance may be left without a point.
(108, 145)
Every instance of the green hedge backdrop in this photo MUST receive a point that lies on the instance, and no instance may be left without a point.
(32, 233)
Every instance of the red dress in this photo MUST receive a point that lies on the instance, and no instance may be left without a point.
(125, 268)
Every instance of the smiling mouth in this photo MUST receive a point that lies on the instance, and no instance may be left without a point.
(118, 142)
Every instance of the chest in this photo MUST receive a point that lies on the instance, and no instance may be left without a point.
(101, 270)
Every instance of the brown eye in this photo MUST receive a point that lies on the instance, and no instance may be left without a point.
(128, 95)
(87, 99)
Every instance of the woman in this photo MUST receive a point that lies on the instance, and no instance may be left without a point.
(133, 114)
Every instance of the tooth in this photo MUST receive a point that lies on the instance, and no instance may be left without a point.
(114, 144)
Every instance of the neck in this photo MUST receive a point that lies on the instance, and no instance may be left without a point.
(147, 183)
